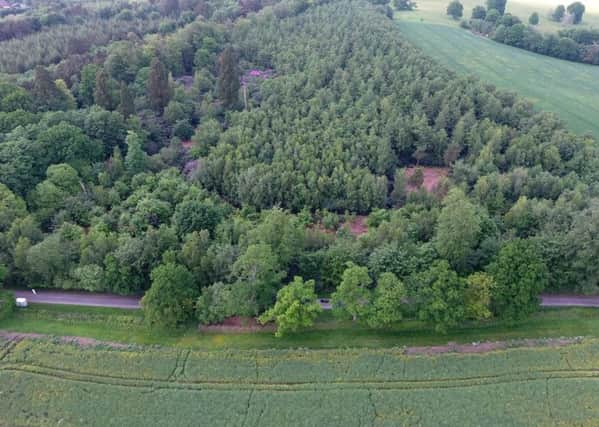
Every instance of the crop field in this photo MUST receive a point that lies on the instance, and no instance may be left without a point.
(135, 386)
(563, 87)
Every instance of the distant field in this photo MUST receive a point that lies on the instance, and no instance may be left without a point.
(434, 11)
(567, 88)
(47, 383)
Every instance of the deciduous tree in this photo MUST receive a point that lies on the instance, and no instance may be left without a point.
(440, 296)
(458, 229)
(388, 301)
(296, 307)
(520, 275)
(170, 300)
(498, 5)
(455, 9)
(576, 9)
(352, 297)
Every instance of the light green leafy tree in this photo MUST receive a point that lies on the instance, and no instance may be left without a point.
(477, 296)
(136, 158)
(388, 301)
(352, 297)
(458, 229)
(296, 307)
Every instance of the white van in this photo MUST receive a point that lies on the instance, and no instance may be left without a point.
(21, 302)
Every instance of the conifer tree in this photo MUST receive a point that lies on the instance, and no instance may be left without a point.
(228, 78)
(126, 106)
(159, 92)
(102, 95)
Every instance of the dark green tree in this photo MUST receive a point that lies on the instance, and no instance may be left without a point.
(159, 91)
(87, 85)
(45, 93)
(102, 91)
(170, 7)
(498, 5)
(228, 78)
(440, 296)
(559, 13)
(403, 5)
(126, 105)
(170, 300)
(520, 275)
(455, 9)
(479, 12)
(534, 19)
(576, 9)
(258, 272)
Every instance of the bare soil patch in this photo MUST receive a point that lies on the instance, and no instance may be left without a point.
(432, 177)
(357, 226)
(485, 347)
(238, 324)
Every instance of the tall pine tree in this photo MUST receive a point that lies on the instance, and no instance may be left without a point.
(228, 78)
(47, 96)
(159, 91)
(135, 160)
(126, 106)
(102, 93)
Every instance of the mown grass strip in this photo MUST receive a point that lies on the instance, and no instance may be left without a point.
(327, 333)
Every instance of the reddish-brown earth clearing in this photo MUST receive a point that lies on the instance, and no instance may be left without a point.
(432, 177)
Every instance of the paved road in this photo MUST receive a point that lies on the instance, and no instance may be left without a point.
(546, 301)
(79, 298)
(569, 301)
(118, 301)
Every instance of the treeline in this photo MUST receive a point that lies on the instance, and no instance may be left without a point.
(55, 13)
(573, 44)
(81, 32)
(197, 167)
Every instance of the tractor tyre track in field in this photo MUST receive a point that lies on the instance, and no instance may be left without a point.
(8, 347)
(156, 384)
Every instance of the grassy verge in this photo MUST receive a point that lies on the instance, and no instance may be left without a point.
(127, 326)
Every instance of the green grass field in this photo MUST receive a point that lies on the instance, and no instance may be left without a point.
(45, 383)
(435, 11)
(128, 327)
(566, 88)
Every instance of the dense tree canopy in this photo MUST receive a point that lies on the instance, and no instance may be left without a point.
(136, 168)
